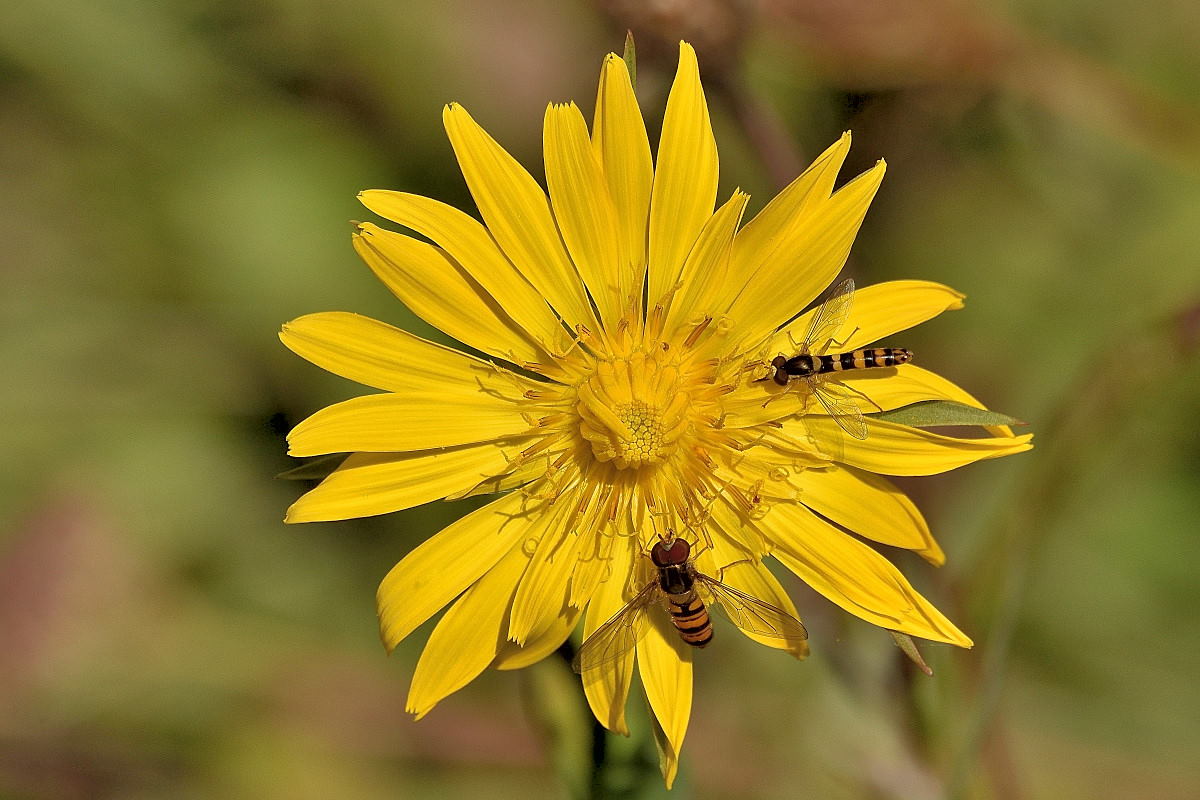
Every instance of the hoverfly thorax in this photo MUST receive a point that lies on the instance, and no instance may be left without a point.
(818, 361)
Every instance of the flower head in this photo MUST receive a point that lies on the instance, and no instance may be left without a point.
(628, 326)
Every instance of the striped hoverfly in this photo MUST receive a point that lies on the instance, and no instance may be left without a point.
(678, 588)
(812, 367)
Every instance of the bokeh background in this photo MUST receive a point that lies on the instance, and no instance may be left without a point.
(177, 180)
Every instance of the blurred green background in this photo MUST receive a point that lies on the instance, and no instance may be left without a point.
(177, 180)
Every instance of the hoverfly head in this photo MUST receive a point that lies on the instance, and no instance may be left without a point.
(670, 552)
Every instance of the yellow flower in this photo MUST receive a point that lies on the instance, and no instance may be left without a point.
(628, 325)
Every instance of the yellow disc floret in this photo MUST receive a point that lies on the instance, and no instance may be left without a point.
(634, 410)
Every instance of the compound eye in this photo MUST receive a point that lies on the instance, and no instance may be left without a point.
(678, 552)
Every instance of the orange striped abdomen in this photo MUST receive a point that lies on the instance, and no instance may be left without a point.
(690, 618)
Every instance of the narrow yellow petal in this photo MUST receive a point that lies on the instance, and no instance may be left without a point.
(473, 248)
(619, 137)
(467, 638)
(904, 385)
(367, 484)
(517, 215)
(853, 575)
(515, 656)
(892, 449)
(542, 595)
(764, 235)
(376, 354)
(811, 254)
(871, 506)
(732, 540)
(704, 271)
(514, 478)
(757, 581)
(441, 567)
(585, 212)
(395, 423)
(665, 666)
(879, 310)
(685, 177)
(747, 405)
(442, 292)
(607, 686)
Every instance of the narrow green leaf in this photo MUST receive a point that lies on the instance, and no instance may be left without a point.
(630, 59)
(909, 648)
(932, 413)
(315, 469)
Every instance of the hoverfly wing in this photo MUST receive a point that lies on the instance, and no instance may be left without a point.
(830, 317)
(753, 615)
(842, 405)
(618, 635)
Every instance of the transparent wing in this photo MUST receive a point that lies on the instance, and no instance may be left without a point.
(830, 317)
(842, 405)
(753, 615)
(619, 634)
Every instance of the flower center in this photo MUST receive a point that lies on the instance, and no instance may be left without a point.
(633, 410)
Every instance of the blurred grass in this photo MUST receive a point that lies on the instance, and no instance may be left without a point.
(178, 179)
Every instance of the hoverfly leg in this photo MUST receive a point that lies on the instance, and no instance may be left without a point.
(863, 395)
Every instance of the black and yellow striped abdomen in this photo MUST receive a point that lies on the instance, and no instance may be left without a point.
(690, 618)
(808, 364)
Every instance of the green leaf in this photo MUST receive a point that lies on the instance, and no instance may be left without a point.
(909, 648)
(932, 413)
(630, 59)
(315, 469)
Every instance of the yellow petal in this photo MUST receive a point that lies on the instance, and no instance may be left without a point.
(704, 272)
(619, 137)
(542, 595)
(879, 310)
(593, 562)
(393, 423)
(367, 484)
(853, 575)
(584, 211)
(376, 354)
(665, 666)
(473, 248)
(732, 540)
(441, 567)
(870, 506)
(811, 254)
(467, 638)
(763, 236)
(747, 405)
(515, 656)
(442, 292)
(607, 686)
(757, 581)
(513, 479)
(893, 449)
(685, 177)
(517, 215)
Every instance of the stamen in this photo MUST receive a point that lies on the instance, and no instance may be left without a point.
(695, 334)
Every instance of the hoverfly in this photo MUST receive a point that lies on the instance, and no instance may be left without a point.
(810, 367)
(677, 588)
